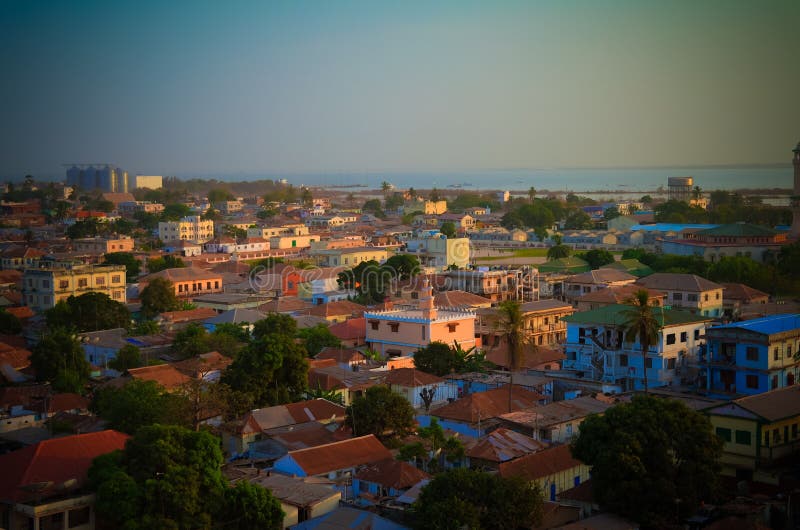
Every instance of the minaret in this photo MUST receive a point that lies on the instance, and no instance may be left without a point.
(795, 233)
(426, 301)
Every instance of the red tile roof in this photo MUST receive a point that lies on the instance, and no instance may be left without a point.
(336, 309)
(502, 445)
(189, 315)
(314, 409)
(340, 455)
(54, 461)
(392, 473)
(532, 359)
(486, 405)
(354, 328)
(411, 377)
(455, 299)
(542, 464)
(20, 312)
(165, 375)
(66, 401)
(16, 358)
(198, 367)
(340, 355)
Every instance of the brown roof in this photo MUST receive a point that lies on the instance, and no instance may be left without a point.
(188, 315)
(204, 363)
(286, 304)
(447, 299)
(618, 294)
(743, 293)
(531, 359)
(391, 473)
(502, 445)
(278, 416)
(340, 355)
(117, 198)
(335, 309)
(23, 395)
(235, 267)
(314, 409)
(411, 377)
(489, 404)
(165, 375)
(541, 464)
(303, 436)
(354, 328)
(16, 358)
(66, 401)
(673, 281)
(773, 405)
(183, 274)
(600, 276)
(340, 455)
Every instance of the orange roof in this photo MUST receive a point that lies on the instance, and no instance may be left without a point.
(392, 473)
(165, 375)
(742, 292)
(489, 404)
(189, 315)
(314, 409)
(541, 464)
(16, 358)
(204, 363)
(51, 463)
(335, 309)
(341, 355)
(67, 401)
(532, 359)
(502, 445)
(340, 455)
(20, 312)
(411, 377)
(619, 294)
(354, 328)
(455, 299)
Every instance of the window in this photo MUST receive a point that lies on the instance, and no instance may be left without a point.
(723, 433)
(677, 296)
(751, 381)
(208, 285)
(83, 282)
(216, 285)
(697, 334)
(691, 297)
(648, 362)
(414, 295)
(394, 326)
(116, 278)
(743, 437)
(623, 360)
(670, 364)
(451, 328)
(63, 284)
(684, 336)
(423, 332)
(776, 354)
(705, 297)
(671, 338)
(79, 517)
(774, 382)
(117, 295)
(718, 293)
(100, 280)
(46, 284)
(752, 353)
(374, 324)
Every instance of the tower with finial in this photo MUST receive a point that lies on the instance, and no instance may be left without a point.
(426, 301)
(795, 232)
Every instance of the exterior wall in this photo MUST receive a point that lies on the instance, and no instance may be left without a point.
(706, 303)
(444, 391)
(104, 246)
(561, 481)
(290, 514)
(13, 423)
(198, 287)
(285, 242)
(191, 228)
(24, 516)
(44, 288)
(349, 258)
(286, 464)
(413, 334)
(435, 207)
(712, 253)
(153, 182)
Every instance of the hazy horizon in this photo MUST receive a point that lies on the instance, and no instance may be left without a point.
(247, 88)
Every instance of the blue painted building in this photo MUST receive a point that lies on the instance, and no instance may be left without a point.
(752, 356)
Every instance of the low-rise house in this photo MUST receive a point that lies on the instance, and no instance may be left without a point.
(300, 500)
(346, 358)
(752, 356)
(738, 300)
(758, 431)
(537, 359)
(165, 375)
(688, 291)
(184, 248)
(206, 366)
(102, 245)
(175, 320)
(597, 348)
(385, 481)
(245, 318)
(349, 257)
(460, 300)
(411, 383)
(440, 252)
(477, 413)
(327, 376)
(595, 280)
(336, 461)
(500, 445)
(335, 312)
(344, 518)
(187, 281)
(44, 485)
(13, 362)
(554, 470)
(352, 332)
(19, 257)
(555, 422)
(730, 240)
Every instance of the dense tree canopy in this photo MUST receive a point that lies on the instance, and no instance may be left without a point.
(158, 297)
(138, 404)
(91, 311)
(128, 356)
(441, 359)
(59, 358)
(317, 337)
(132, 265)
(464, 498)
(448, 229)
(9, 324)
(170, 477)
(381, 412)
(596, 258)
(165, 262)
(652, 459)
(403, 266)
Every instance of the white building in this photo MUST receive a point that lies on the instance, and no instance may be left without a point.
(152, 182)
(190, 228)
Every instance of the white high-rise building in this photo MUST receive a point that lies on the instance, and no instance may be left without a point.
(191, 228)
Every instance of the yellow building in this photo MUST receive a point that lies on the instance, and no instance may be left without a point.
(191, 228)
(350, 257)
(435, 207)
(554, 470)
(758, 431)
(44, 287)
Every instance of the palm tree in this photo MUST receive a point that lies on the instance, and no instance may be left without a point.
(642, 322)
(512, 325)
(532, 194)
(697, 192)
(385, 187)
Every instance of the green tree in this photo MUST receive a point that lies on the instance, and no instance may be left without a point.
(317, 337)
(611, 213)
(374, 207)
(578, 220)
(166, 262)
(9, 324)
(128, 356)
(653, 459)
(641, 323)
(306, 197)
(386, 187)
(646, 199)
(403, 266)
(597, 257)
(464, 498)
(59, 358)
(138, 404)
(558, 251)
(147, 221)
(158, 297)
(191, 341)
(219, 195)
(145, 327)
(81, 229)
(381, 412)
(132, 265)
(532, 194)
(368, 279)
(90, 311)
(171, 478)
(436, 358)
(448, 229)
(434, 195)
(175, 212)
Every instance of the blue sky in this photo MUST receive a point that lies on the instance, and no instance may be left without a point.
(296, 86)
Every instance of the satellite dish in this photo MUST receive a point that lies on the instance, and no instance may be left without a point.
(37, 487)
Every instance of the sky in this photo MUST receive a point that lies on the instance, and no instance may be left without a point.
(203, 87)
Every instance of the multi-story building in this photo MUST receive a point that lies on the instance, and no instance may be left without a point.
(332, 221)
(101, 245)
(440, 252)
(190, 228)
(266, 232)
(434, 207)
(687, 291)
(543, 324)
(496, 285)
(758, 431)
(598, 350)
(731, 240)
(595, 280)
(752, 356)
(228, 207)
(188, 281)
(129, 208)
(53, 282)
(350, 257)
(19, 257)
(401, 332)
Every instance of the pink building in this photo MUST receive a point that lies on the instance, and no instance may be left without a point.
(401, 332)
